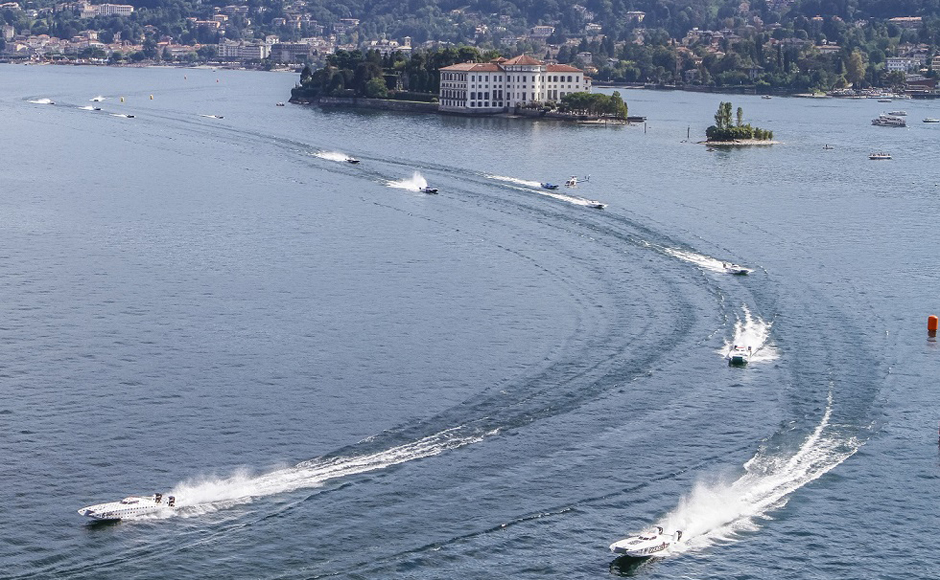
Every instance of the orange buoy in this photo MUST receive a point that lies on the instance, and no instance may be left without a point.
(932, 322)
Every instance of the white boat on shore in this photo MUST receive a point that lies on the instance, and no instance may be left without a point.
(650, 543)
(129, 507)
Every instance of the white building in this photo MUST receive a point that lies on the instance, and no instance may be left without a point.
(500, 85)
(903, 64)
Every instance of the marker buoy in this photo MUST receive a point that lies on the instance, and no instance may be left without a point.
(151, 97)
(932, 322)
(122, 99)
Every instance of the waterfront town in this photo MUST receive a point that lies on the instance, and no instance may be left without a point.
(747, 53)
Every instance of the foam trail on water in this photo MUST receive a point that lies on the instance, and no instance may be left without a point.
(572, 199)
(414, 183)
(515, 180)
(331, 155)
(43, 102)
(97, 99)
(716, 512)
(752, 331)
(209, 494)
(705, 262)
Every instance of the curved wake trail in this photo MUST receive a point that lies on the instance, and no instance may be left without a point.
(752, 331)
(714, 513)
(537, 186)
(197, 497)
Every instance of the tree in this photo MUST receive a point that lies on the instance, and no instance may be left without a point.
(740, 115)
(376, 88)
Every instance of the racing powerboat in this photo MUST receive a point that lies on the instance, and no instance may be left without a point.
(428, 189)
(129, 507)
(352, 160)
(737, 270)
(596, 204)
(646, 544)
(739, 355)
(548, 185)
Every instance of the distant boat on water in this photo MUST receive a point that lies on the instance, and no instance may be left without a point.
(931, 120)
(889, 121)
(879, 156)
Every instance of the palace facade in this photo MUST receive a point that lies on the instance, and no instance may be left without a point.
(501, 85)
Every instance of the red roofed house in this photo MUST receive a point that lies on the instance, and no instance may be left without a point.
(499, 85)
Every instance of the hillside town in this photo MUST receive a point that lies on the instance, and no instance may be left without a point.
(795, 53)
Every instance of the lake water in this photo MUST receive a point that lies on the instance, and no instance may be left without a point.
(340, 376)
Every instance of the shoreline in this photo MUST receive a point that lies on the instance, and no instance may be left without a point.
(743, 143)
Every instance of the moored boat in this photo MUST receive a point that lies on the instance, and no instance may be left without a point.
(879, 156)
(129, 507)
(646, 544)
(898, 113)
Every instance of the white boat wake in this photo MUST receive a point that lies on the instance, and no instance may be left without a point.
(97, 99)
(514, 180)
(331, 155)
(705, 262)
(415, 183)
(716, 512)
(42, 102)
(210, 494)
(752, 331)
(537, 186)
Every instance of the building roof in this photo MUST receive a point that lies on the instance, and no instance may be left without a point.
(523, 59)
(561, 68)
(473, 67)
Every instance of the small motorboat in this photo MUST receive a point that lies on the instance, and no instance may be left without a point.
(548, 185)
(129, 507)
(931, 120)
(352, 160)
(879, 156)
(739, 356)
(646, 544)
(735, 269)
(828, 147)
(596, 204)
(428, 189)
(766, 97)
(898, 113)
(884, 100)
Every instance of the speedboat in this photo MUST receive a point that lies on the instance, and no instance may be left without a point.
(827, 147)
(548, 185)
(646, 544)
(737, 270)
(739, 356)
(129, 507)
(596, 204)
(428, 189)
(766, 97)
(879, 156)
(352, 160)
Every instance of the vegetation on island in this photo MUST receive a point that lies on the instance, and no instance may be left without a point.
(726, 130)
(395, 76)
(595, 105)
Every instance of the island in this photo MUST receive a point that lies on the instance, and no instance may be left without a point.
(728, 133)
(458, 81)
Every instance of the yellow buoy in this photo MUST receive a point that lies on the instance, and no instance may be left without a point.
(151, 97)
(122, 99)
(932, 322)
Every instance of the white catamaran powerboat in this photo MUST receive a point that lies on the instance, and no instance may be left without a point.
(129, 507)
(646, 544)
(737, 270)
(428, 189)
(739, 355)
